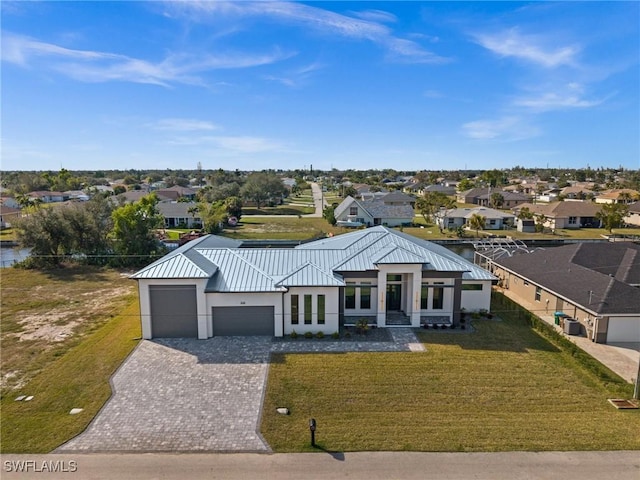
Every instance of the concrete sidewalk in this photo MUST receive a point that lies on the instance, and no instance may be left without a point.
(622, 358)
(620, 465)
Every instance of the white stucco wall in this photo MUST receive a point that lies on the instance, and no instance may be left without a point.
(331, 324)
(475, 300)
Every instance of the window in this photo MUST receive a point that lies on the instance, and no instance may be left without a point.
(307, 309)
(294, 309)
(573, 220)
(350, 296)
(353, 211)
(394, 278)
(472, 286)
(365, 295)
(321, 301)
(538, 293)
(438, 298)
(424, 297)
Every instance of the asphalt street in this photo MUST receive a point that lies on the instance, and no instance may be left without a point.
(621, 465)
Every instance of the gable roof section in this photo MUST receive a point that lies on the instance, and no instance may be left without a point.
(394, 254)
(585, 274)
(178, 266)
(310, 274)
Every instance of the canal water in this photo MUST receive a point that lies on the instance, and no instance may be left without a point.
(9, 256)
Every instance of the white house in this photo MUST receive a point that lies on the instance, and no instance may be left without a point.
(392, 209)
(459, 217)
(212, 286)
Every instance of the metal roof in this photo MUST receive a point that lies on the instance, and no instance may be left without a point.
(316, 263)
(176, 266)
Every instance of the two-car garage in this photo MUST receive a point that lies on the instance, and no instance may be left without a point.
(174, 313)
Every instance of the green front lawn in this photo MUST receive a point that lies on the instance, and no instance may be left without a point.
(78, 379)
(501, 388)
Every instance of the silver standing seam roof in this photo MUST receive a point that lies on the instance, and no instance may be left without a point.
(315, 264)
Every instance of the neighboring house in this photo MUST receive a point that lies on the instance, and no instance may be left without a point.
(526, 225)
(568, 214)
(176, 192)
(46, 197)
(77, 195)
(9, 202)
(633, 217)
(374, 212)
(135, 195)
(577, 192)
(510, 199)
(210, 286)
(596, 284)
(471, 195)
(8, 215)
(622, 195)
(420, 189)
(176, 215)
(459, 217)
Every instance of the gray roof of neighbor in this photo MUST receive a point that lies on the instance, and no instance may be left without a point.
(598, 276)
(233, 269)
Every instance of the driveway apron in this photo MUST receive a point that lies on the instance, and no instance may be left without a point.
(183, 395)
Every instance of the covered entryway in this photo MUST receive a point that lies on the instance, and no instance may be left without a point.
(174, 311)
(623, 330)
(243, 321)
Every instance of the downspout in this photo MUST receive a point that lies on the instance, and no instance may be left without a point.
(286, 290)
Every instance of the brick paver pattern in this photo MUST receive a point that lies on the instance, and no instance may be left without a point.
(188, 395)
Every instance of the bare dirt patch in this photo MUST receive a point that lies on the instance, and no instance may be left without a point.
(46, 313)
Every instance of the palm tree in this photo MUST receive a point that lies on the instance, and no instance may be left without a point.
(477, 222)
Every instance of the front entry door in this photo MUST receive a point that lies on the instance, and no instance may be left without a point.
(394, 297)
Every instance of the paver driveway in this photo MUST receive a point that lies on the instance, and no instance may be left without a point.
(184, 395)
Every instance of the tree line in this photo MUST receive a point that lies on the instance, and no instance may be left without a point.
(96, 232)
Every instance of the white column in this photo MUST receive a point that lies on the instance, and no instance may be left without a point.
(382, 298)
(416, 290)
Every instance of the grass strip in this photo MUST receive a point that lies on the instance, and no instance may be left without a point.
(78, 379)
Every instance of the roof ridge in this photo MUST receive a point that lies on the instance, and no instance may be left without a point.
(259, 270)
(368, 232)
(625, 264)
(308, 263)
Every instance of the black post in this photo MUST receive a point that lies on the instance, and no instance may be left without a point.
(312, 429)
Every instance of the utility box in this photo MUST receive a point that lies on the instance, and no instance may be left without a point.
(571, 326)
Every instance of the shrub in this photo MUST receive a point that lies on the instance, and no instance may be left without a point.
(293, 334)
(320, 334)
(308, 335)
(335, 335)
(362, 325)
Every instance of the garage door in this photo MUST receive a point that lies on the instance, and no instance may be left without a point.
(243, 321)
(623, 330)
(174, 311)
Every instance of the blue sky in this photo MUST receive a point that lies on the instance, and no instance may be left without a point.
(253, 85)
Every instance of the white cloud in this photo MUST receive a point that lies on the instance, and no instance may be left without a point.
(569, 96)
(231, 143)
(510, 128)
(533, 48)
(315, 18)
(553, 101)
(92, 66)
(376, 16)
(296, 77)
(182, 124)
(247, 144)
